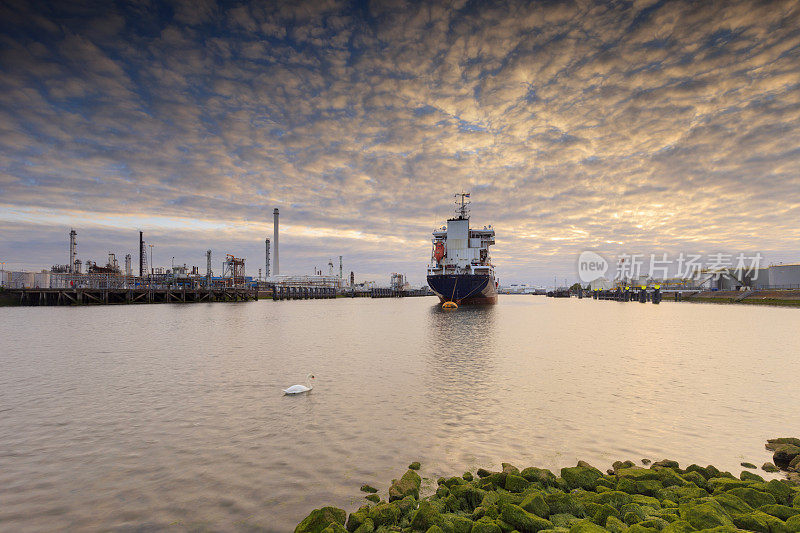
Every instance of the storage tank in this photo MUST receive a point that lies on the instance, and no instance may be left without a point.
(21, 280)
(41, 280)
(784, 276)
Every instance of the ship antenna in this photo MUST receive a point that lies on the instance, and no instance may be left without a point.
(462, 206)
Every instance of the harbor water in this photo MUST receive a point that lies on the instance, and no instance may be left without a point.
(167, 416)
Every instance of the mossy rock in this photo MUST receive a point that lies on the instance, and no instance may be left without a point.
(615, 498)
(461, 524)
(750, 522)
(486, 525)
(542, 475)
(415, 466)
(631, 518)
(749, 476)
(774, 525)
(425, 517)
(634, 508)
(696, 478)
(334, 528)
(769, 467)
(723, 484)
(772, 444)
(522, 520)
(796, 501)
(585, 526)
(319, 519)
(560, 502)
(732, 503)
(690, 491)
(669, 478)
(536, 504)
(408, 485)
(793, 524)
(385, 514)
(564, 520)
(602, 512)
(368, 488)
(357, 518)
(638, 473)
(638, 528)
(580, 477)
(752, 497)
(646, 501)
(453, 481)
(615, 525)
(515, 483)
(666, 463)
(784, 454)
(779, 511)
(504, 526)
(679, 526)
(647, 487)
(469, 496)
(654, 522)
(707, 515)
(748, 465)
(508, 468)
(434, 529)
(467, 476)
(782, 492)
(373, 498)
(366, 527)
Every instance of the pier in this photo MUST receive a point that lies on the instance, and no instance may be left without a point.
(107, 296)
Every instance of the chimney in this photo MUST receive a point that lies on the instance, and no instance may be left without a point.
(275, 239)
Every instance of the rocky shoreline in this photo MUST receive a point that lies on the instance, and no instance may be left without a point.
(627, 498)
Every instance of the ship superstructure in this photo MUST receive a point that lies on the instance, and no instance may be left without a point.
(461, 270)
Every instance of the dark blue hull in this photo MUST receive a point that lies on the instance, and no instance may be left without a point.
(464, 288)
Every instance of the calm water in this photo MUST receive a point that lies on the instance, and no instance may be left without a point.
(141, 417)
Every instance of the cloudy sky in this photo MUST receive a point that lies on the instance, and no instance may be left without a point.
(640, 126)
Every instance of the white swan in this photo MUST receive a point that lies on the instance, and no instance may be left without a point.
(297, 389)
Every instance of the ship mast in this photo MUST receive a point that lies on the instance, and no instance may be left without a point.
(462, 206)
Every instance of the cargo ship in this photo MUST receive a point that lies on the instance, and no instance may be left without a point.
(461, 270)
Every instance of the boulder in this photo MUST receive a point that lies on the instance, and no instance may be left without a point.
(666, 463)
(560, 502)
(335, 528)
(752, 497)
(542, 475)
(415, 466)
(536, 504)
(434, 529)
(408, 485)
(732, 503)
(679, 526)
(585, 526)
(748, 465)
(634, 508)
(779, 511)
(508, 468)
(461, 524)
(425, 517)
(615, 498)
(522, 520)
(319, 519)
(796, 501)
(722, 484)
(515, 483)
(615, 525)
(368, 488)
(749, 476)
(385, 514)
(784, 454)
(373, 498)
(580, 477)
(769, 467)
(705, 515)
(793, 524)
(602, 512)
(751, 522)
(772, 444)
(467, 476)
(469, 497)
(779, 489)
(637, 528)
(647, 487)
(486, 525)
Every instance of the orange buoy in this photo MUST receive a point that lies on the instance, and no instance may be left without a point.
(449, 305)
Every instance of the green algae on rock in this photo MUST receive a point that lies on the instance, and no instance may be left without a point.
(661, 499)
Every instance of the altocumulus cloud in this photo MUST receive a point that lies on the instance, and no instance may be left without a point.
(618, 126)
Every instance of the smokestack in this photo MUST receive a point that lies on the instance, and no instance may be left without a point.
(275, 239)
(266, 242)
(72, 245)
(141, 255)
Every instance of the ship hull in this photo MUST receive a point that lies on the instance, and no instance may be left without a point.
(464, 289)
